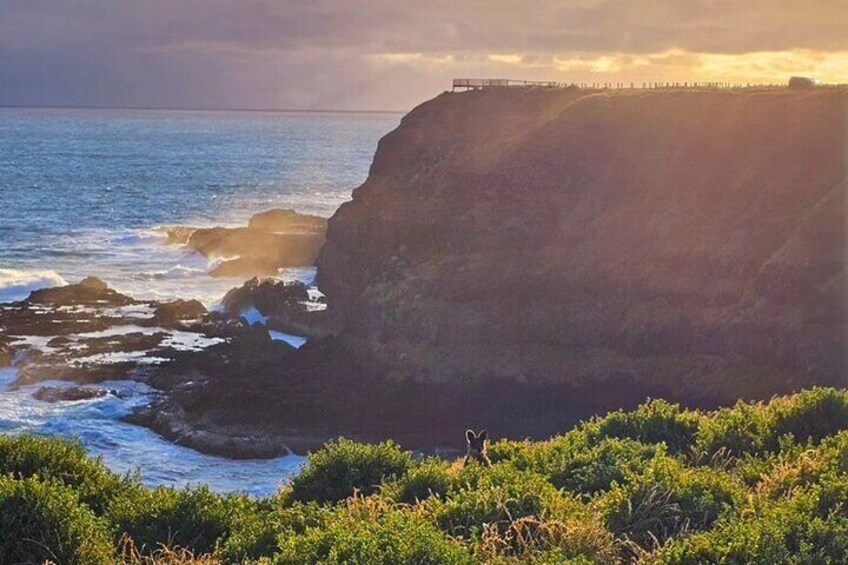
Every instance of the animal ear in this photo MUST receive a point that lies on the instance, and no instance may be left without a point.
(482, 435)
(469, 435)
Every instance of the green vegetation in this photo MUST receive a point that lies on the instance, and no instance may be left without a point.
(755, 483)
(344, 467)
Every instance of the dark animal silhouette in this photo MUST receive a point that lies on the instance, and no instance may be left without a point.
(477, 447)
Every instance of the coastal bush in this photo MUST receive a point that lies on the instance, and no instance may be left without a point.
(588, 471)
(504, 512)
(584, 465)
(801, 467)
(764, 483)
(518, 453)
(256, 534)
(656, 421)
(666, 500)
(64, 461)
(496, 497)
(731, 432)
(43, 520)
(757, 428)
(809, 415)
(341, 467)
(193, 518)
(810, 527)
(429, 478)
(370, 530)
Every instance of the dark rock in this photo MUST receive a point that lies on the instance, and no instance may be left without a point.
(170, 420)
(285, 304)
(269, 296)
(89, 292)
(169, 313)
(93, 283)
(68, 394)
(273, 240)
(287, 221)
(246, 266)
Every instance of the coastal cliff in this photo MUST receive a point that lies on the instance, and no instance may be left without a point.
(521, 259)
(689, 244)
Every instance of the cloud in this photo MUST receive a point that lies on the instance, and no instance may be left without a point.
(392, 54)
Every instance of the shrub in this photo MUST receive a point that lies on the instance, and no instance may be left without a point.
(776, 491)
(656, 421)
(370, 531)
(44, 520)
(667, 500)
(65, 461)
(430, 478)
(255, 534)
(758, 428)
(496, 498)
(800, 467)
(341, 467)
(588, 470)
(733, 431)
(573, 540)
(810, 528)
(506, 511)
(809, 415)
(519, 453)
(193, 518)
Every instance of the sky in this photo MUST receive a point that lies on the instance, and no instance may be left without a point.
(394, 54)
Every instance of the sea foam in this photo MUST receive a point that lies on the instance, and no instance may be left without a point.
(16, 284)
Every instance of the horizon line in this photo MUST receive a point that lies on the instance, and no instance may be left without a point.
(195, 109)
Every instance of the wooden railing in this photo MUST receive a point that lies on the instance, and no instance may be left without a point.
(481, 83)
(477, 83)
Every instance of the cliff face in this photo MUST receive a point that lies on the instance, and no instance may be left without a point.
(692, 244)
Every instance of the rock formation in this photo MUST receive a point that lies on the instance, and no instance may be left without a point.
(272, 240)
(690, 244)
(287, 306)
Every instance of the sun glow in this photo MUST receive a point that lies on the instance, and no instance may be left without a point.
(676, 64)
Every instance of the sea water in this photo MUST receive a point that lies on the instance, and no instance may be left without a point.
(83, 193)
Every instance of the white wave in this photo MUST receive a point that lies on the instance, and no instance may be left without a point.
(253, 316)
(190, 341)
(97, 423)
(16, 284)
(178, 272)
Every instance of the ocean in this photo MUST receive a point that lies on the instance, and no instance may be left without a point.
(83, 193)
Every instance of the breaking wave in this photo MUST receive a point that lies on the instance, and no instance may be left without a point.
(16, 284)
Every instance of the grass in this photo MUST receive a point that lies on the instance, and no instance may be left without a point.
(754, 483)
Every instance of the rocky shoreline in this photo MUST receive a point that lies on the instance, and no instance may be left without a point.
(88, 333)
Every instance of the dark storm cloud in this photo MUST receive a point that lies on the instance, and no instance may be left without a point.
(263, 53)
